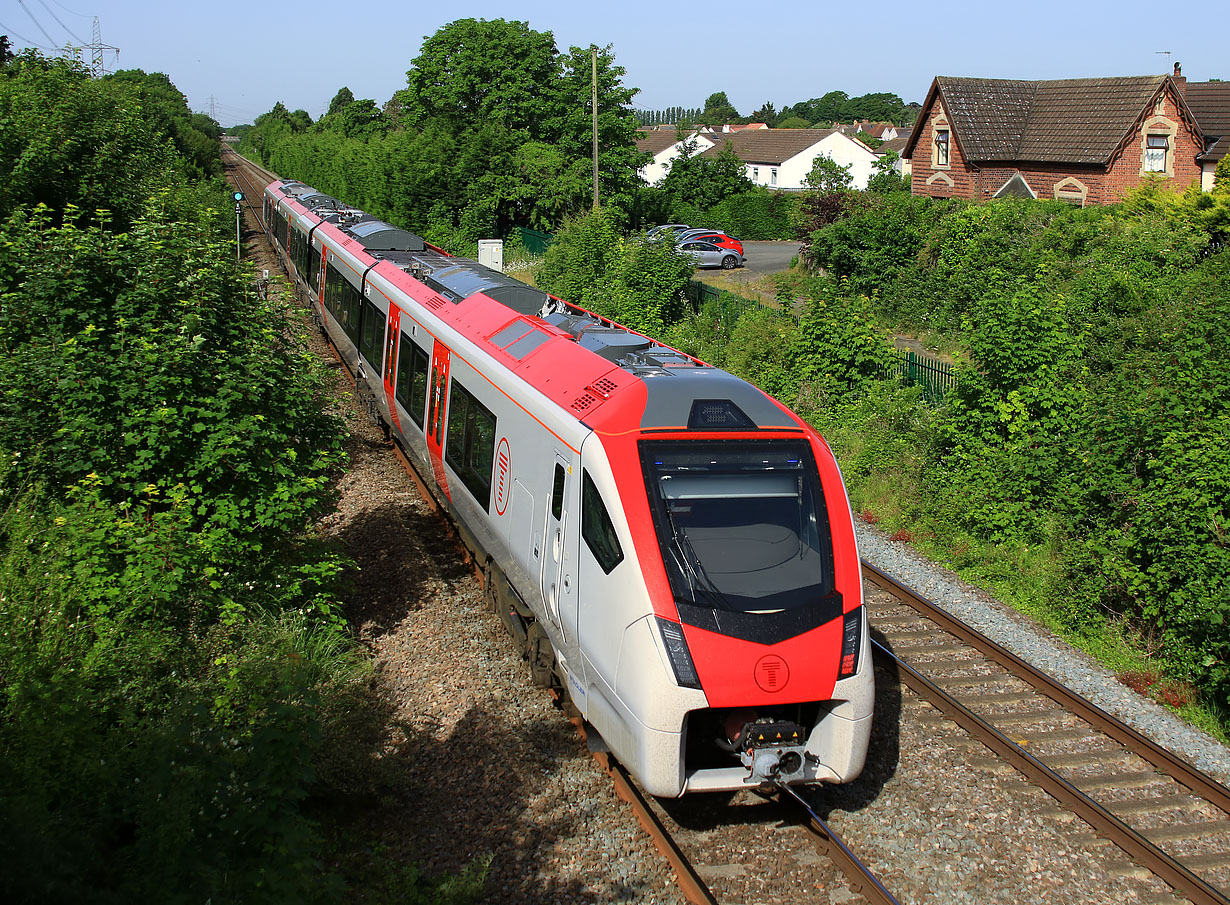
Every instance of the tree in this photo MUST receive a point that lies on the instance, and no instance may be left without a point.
(827, 176)
(885, 179)
(343, 98)
(719, 109)
(6, 51)
(793, 122)
(706, 181)
(70, 141)
(475, 70)
(571, 128)
(766, 114)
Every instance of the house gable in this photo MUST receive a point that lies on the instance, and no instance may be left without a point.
(1107, 134)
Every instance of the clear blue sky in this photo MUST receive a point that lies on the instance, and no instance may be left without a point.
(248, 55)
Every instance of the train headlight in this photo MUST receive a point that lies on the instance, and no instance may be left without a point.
(851, 640)
(677, 652)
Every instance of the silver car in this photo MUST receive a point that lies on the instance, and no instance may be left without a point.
(706, 254)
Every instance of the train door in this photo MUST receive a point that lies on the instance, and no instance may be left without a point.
(437, 406)
(558, 590)
(392, 333)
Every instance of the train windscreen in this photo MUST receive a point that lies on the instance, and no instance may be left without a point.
(742, 524)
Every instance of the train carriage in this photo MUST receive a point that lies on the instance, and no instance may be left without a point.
(669, 545)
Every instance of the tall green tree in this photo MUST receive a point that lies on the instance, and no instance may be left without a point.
(486, 71)
(719, 109)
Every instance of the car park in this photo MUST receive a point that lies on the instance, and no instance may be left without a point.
(706, 254)
(667, 230)
(714, 236)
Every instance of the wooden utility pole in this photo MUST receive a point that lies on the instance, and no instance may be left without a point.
(595, 106)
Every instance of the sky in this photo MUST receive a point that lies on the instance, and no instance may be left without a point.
(237, 59)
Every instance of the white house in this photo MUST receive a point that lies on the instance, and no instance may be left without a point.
(781, 158)
(665, 146)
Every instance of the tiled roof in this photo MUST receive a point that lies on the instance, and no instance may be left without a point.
(1058, 121)
(654, 142)
(1210, 104)
(768, 145)
(893, 144)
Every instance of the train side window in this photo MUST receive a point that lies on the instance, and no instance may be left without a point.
(371, 338)
(412, 379)
(597, 528)
(557, 493)
(469, 446)
(348, 308)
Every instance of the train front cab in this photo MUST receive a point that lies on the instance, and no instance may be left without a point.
(763, 603)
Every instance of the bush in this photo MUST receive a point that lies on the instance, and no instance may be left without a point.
(634, 281)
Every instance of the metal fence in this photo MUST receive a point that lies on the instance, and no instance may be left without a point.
(535, 242)
(935, 377)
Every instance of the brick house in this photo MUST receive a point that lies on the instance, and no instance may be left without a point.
(1210, 103)
(1080, 140)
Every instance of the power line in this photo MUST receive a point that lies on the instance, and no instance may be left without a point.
(50, 39)
(67, 10)
(62, 25)
(24, 39)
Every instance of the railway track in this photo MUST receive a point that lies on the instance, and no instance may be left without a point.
(1173, 820)
(1127, 789)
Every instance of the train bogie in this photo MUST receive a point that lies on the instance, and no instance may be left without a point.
(668, 545)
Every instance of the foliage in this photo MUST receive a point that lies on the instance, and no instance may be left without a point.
(70, 140)
(762, 351)
(827, 176)
(702, 181)
(165, 108)
(718, 110)
(756, 214)
(793, 122)
(471, 148)
(489, 71)
(1090, 422)
(634, 281)
(839, 348)
(884, 178)
(838, 107)
(174, 672)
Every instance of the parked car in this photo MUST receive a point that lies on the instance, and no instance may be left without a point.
(706, 254)
(715, 236)
(667, 229)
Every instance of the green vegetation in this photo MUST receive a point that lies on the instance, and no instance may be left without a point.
(179, 693)
(1080, 469)
(492, 131)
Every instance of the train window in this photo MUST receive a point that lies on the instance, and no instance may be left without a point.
(742, 525)
(313, 267)
(412, 379)
(371, 337)
(346, 307)
(557, 493)
(470, 443)
(597, 528)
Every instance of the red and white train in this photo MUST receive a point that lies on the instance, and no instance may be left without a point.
(670, 546)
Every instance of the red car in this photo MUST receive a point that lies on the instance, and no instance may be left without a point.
(713, 236)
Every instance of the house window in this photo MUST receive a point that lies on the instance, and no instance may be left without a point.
(773, 176)
(941, 147)
(755, 174)
(1157, 147)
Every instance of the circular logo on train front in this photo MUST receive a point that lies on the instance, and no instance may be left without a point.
(771, 673)
(503, 476)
